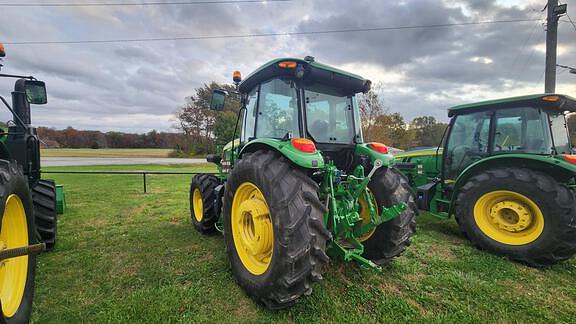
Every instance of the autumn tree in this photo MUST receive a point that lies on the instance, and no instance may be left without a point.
(391, 130)
(427, 131)
(204, 127)
(371, 106)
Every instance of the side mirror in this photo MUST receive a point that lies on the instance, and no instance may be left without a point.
(218, 99)
(36, 92)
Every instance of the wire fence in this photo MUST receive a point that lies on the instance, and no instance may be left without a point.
(140, 173)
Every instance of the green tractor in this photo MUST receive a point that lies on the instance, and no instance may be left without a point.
(27, 203)
(505, 170)
(300, 186)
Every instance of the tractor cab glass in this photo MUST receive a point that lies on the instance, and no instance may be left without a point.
(468, 142)
(329, 116)
(560, 133)
(277, 115)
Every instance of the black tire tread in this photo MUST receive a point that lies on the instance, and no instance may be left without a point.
(206, 183)
(302, 234)
(45, 213)
(392, 238)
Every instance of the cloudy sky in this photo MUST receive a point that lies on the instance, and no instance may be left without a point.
(137, 86)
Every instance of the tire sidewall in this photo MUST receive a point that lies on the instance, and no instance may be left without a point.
(546, 240)
(252, 283)
(17, 184)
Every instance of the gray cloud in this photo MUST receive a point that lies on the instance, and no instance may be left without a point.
(138, 86)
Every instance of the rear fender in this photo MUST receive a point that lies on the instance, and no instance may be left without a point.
(285, 148)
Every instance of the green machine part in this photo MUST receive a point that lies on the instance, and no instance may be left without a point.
(60, 199)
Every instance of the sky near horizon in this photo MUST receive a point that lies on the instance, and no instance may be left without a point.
(138, 86)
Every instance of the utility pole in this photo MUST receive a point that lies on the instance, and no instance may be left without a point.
(554, 13)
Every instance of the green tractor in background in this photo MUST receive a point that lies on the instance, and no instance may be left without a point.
(506, 171)
(300, 185)
(27, 203)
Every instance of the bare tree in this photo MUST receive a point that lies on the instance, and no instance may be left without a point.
(371, 106)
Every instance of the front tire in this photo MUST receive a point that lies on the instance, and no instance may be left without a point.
(45, 214)
(17, 229)
(389, 187)
(519, 213)
(202, 203)
(273, 229)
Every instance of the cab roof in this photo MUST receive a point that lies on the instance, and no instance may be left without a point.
(314, 71)
(564, 103)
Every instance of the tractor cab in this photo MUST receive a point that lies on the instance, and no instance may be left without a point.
(299, 99)
(520, 125)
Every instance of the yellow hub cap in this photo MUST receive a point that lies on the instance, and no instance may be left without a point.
(198, 205)
(252, 229)
(365, 214)
(13, 272)
(509, 217)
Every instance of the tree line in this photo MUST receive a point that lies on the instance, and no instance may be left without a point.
(74, 138)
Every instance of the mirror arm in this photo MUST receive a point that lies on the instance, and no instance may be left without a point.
(13, 113)
(18, 76)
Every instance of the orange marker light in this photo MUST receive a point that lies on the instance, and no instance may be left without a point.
(236, 76)
(287, 65)
(2, 51)
(379, 147)
(570, 158)
(304, 145)
(551, 98)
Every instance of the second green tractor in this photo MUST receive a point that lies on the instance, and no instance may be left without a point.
(300, 186)
(507, 172)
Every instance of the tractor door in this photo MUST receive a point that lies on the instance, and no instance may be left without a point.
(468, 142)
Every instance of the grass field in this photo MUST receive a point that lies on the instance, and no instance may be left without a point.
(125, 256)
(110, 153)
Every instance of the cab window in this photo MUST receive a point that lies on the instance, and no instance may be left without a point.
(277, 114)
(468, 142)
(521, 130)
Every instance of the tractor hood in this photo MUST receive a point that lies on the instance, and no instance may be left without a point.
(309, 72)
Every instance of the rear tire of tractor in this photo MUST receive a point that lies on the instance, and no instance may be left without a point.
(298, 243)
(17, 291)
(202, 203)
(539, 196)
(45, 214)
(391, 238)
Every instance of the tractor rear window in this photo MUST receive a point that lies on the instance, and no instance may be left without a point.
(277, 109)
(329, 117)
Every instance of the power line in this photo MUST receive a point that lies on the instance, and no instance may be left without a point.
(318, 32)
(126, 4)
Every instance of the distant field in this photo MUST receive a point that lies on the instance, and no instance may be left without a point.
(155, 153)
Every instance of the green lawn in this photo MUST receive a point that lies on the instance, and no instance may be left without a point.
(125, 256)
(110, 153)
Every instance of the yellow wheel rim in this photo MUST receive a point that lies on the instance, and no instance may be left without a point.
(252, 229)
(13, 272)
(198, 205)
(365, 214)
(509, 217)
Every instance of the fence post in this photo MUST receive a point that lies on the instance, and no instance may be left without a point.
(144, 178)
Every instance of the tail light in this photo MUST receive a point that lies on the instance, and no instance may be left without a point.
(303, 145)
(570, 158)
(379, 147)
